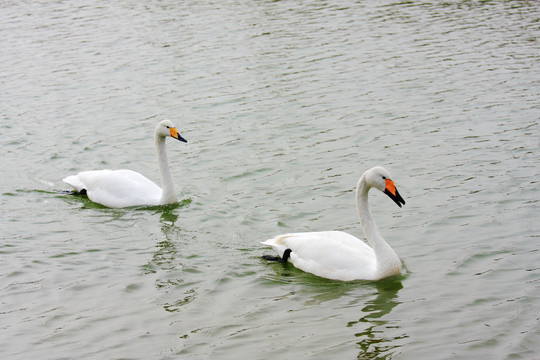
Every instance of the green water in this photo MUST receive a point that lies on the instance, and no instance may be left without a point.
(284, 105)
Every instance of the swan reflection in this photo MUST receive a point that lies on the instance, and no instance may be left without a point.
(379, 337)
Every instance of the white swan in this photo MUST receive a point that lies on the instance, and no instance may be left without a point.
(123, 188)
(341, 256)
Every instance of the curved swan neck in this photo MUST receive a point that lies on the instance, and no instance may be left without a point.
(168, 194)
(388, 262)
(371, 230)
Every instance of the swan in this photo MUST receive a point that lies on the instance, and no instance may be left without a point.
(124, 188)
(340, 256)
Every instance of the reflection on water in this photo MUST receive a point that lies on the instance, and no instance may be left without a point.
(165, 258)
(377, 337)
(167, 261)
(374, 341)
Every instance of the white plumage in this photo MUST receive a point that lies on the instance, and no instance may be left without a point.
(341, 256)
(124, 188)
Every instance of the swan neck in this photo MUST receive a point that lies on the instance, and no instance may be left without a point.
(388, 262)
(168, 194)
(366, 220)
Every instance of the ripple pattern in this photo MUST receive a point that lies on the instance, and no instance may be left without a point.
(284, 105)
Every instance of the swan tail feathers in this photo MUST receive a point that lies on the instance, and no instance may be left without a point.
(280, 246)
(75, 182)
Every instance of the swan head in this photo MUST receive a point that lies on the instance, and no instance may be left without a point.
(380, 178)
(167, 128)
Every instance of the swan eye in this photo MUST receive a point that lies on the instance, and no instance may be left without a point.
(384, 177)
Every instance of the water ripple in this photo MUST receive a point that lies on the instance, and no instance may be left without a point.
(284, 105)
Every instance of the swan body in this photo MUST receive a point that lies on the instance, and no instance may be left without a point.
(338, 255)
(124, 188)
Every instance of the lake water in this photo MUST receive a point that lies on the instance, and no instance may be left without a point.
(284, 105)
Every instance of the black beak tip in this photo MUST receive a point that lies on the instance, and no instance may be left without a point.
(396, 198)
(399, 200)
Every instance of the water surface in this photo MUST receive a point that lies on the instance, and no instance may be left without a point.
(284, 105)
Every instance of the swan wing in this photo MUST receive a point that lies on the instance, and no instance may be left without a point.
(330, 254)
(116, 188)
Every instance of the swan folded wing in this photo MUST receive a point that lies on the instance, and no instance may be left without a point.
(118, 188)
(329, 254)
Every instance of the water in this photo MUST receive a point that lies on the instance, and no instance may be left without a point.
(284, 105)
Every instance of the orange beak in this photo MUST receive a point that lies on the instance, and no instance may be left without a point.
(391, 191)
(391, 186)
(176, 135)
